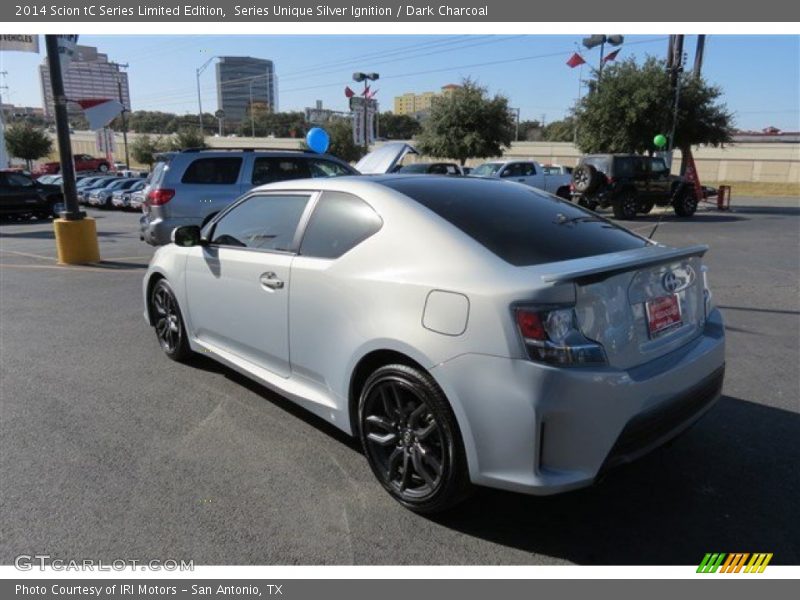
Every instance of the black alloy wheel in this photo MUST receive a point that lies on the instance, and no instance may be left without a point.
(411, 439)
(625, 205)
(168, 322)
(686, 203)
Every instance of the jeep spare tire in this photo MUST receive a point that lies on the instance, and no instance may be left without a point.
(585, 178)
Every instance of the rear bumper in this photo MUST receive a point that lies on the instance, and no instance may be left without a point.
(542, 430)
(157, 231)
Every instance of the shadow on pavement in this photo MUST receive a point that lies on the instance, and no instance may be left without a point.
(730, 484)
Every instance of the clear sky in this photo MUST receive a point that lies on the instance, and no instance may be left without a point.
(760, 75)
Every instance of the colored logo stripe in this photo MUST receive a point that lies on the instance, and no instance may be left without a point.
(734, 562)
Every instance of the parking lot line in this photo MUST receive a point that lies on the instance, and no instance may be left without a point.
(70, 268)
(28, 254)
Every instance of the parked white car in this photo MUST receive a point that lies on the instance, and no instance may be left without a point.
(528, 172)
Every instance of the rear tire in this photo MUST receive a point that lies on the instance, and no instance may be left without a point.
(625, 205)
(685, 204)
(168, 322)
(411, 439)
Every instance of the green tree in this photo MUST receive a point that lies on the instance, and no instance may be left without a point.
(27, 142)
(560, 131)
(342, 145)
(187, 137)
(467, 124)
(145, 148)
(635, 102)
(398, 127)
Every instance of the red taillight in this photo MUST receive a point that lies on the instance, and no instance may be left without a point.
(159, 196)
(530, 325)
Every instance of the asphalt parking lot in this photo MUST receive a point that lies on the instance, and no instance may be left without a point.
(109, 450)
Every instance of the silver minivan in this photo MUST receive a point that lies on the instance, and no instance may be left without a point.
(191, 186)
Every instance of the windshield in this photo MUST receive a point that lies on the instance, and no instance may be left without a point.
(486, 169)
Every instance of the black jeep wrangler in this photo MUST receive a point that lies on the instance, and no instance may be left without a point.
(630, 184)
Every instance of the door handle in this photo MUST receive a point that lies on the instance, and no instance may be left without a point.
(521, 179)
(270, 280)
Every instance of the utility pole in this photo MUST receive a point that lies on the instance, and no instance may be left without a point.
(698, 55)
(676, 68)
(73, 211)
(125, 109)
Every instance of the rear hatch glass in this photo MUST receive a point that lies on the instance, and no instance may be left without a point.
(520, 225)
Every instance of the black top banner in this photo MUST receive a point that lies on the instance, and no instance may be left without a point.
(578, 11)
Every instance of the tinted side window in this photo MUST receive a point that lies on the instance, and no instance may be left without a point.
(273, 168)
(265, 222)
(222, 170)
(518, 224)
(528, 169)
(624, 167)
(339, 223)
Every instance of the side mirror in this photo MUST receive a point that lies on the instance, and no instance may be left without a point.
(187, 236)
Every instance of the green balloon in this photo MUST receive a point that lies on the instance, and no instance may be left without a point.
(660, 141)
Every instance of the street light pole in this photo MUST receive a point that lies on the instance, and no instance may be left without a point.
(252, 117)
(365, 77)
(199, 71)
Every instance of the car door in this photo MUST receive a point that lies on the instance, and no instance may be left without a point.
(237, 285)
(659, 180)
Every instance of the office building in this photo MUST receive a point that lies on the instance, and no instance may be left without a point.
(414, 104)
(245, 83)
(90, 76)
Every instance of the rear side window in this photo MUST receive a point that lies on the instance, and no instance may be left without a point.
(520, 225)
(221, 170)
(598, 162)
(273, 168)
(339, 223)
(263, 222)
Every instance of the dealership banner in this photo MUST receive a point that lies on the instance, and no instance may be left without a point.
(19, 43)
(585, 11)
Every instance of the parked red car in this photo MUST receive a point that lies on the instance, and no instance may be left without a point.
(83, 162)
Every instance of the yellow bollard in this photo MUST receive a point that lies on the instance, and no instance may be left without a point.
(76, 241)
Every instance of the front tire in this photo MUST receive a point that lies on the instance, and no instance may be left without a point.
(168, 322)
(411, 439)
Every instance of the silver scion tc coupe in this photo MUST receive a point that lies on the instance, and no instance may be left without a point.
(469, 331)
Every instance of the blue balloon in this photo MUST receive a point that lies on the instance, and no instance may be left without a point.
(318, 140)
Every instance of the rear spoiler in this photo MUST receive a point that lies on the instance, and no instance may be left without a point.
(653, 256)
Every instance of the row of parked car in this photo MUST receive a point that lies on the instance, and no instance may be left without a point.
(106, 191)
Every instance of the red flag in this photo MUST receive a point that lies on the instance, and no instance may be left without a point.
(371, 94)
(348, 93)
(610, 56)
(365, 93)
(575, 60)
